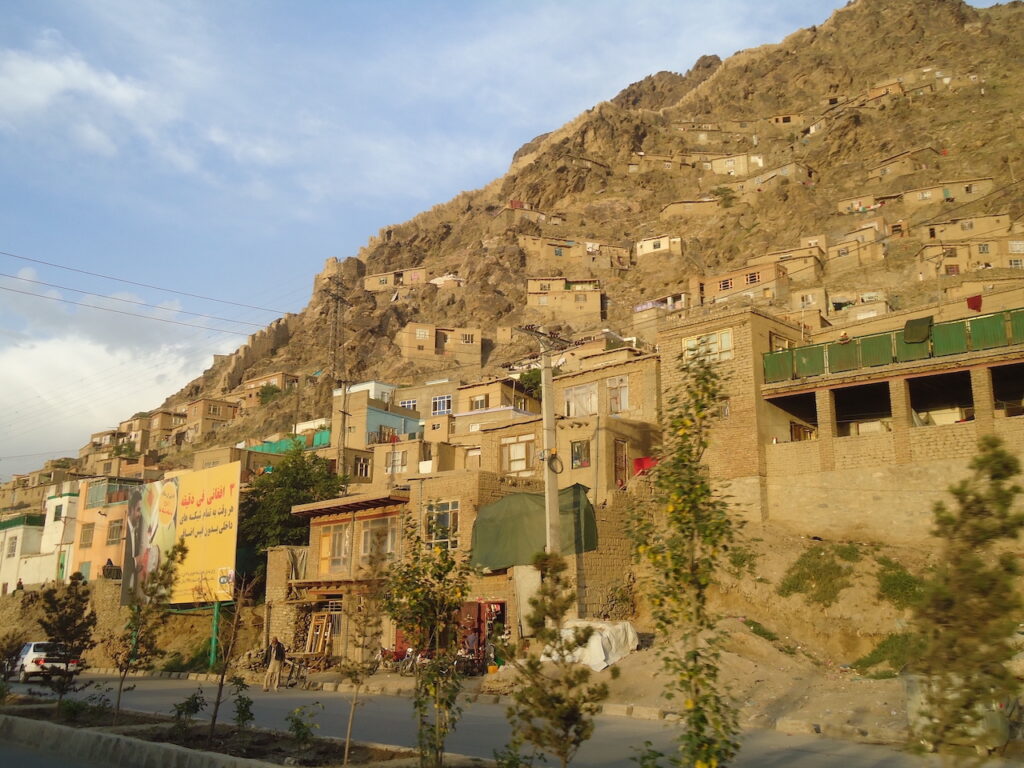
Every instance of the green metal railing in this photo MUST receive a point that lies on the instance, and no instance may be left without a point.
(999, 329)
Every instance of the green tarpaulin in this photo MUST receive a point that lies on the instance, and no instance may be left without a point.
(511, 530)
(917, 330)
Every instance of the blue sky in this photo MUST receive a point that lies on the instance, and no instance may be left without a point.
(228, 148)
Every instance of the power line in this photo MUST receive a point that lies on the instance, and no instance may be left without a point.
(122, 312)
(132, 301)
(140, 285)
(41, 453)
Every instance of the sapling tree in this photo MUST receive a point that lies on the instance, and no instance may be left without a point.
(684, 539)
(228, 645)
(364, 615)
(554, 705)
(69, 622)
(970, 607)
(424, 593)
(136, 647)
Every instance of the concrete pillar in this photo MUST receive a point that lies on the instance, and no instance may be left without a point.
(826, 410)
(902, 419)
(984, 400)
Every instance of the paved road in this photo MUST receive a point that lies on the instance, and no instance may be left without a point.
(483, 728)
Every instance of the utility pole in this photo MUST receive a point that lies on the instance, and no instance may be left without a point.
(552, 522)
(338, 343)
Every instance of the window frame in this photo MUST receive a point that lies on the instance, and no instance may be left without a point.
(449, 508)
(114, 527)
(85, 541)
(445, 403)
(579, 454)
(618, 393)
(509, 449)
(573, 399)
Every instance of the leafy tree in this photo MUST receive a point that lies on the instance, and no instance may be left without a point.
(725, 195)
(554, 706)
(970, 606)
(135, 647)
(684, 541)
(265, 510)
(69, 621)
(268, 393)
(11, 643)
(530, 382)
(424, 594)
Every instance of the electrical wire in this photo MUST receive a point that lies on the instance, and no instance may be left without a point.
(132, 301)
(140, 285)
(122, 312)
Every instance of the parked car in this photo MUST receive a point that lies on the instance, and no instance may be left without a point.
(45, 660)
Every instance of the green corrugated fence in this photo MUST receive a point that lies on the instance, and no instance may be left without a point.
(984, 332)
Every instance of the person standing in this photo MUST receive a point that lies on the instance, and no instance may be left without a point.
(274, 658)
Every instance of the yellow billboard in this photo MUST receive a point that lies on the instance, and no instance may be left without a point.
(199, 508)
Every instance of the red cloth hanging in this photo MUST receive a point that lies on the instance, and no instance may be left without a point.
(974, 303)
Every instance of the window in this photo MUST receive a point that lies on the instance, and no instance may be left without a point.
(580, 454)
(12, 546)
(667, 164)
(361, 466)
(982, 247)
(443, 524)
(751, 278)
(581, 400)
(545, 286)
(1017, 246)
(716, 345)
(724, 408)
(968, 189)
(114, 529)
(884, 171)
(58, 512)
(517, 453)
(85, 539)
(542, 301)
(581, 298)
(558, 251)
(107, 466)
(440, 404)
(410, 404)
(952, 269)
(467, 338)
(380, 537)
(725, 285)
(396, 462)
(478, 402)
(1016, 263)
(966, 226)
(656, 245)
(382, 281)
(618, 394)
(422, 333)
(924, 194)
(335, 547)
(213, 410)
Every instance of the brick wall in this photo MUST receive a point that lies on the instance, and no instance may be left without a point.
(281, 617)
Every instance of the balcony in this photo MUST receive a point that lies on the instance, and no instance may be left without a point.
(384, 436)
(984, 332)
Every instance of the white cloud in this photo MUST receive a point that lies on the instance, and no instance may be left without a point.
(93, 139)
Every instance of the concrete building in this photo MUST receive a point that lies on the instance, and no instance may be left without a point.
(428, 343)
(705, 206)
(400, 278)
(855, 434)
(545, 253)
(102, 524)
(740, 165)
(658, 245)
(950, 192)
(205, 416)
(579, 303)
(765, 283)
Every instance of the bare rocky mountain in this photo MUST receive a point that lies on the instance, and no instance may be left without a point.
(606, 176)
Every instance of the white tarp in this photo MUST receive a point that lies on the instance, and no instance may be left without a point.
(610, 641)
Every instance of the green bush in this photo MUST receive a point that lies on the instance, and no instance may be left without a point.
(848, 552)
(761, 630)
(268, 393)
(895, 650)
(897, 585)
(817, 575)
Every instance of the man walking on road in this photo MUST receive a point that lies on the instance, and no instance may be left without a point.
(274, 659)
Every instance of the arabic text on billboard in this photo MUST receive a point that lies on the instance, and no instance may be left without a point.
(200, 508)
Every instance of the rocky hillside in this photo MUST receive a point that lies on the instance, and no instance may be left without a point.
(597, 179)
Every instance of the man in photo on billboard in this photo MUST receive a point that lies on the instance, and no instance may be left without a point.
(274, 658)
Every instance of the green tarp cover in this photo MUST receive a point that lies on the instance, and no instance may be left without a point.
(917, 330)
(949, 338)
(1017, 326)
(842, 356)
(988, 332)
(511, 530)
(810, 361)
(778, 366)
(905, 352)
(876, 350)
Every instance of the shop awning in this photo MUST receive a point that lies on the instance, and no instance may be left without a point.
(511, 531)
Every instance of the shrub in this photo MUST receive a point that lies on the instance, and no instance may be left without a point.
(896, 650)
(897, 585)
(301, 723)
(817, 575)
